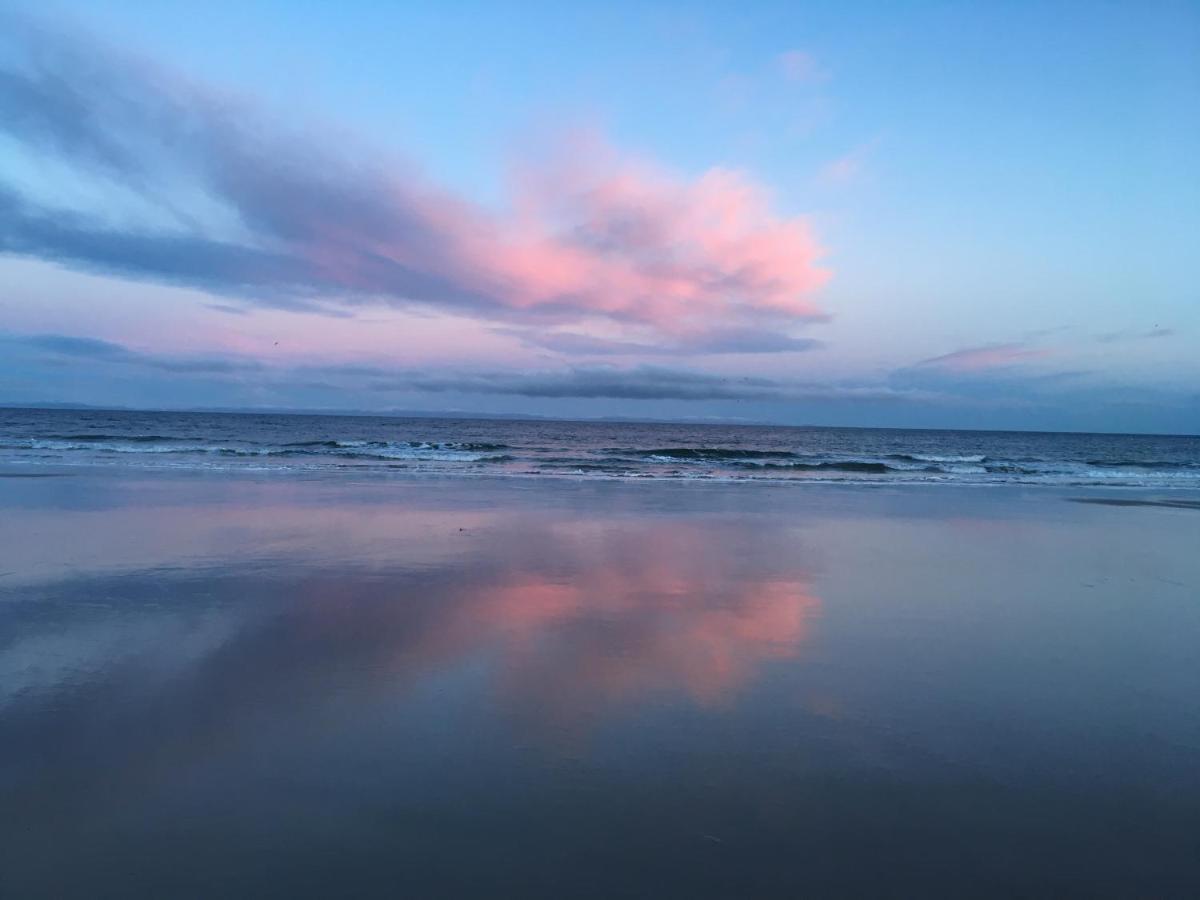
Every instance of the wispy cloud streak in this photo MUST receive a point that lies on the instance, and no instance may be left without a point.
(992, 356)
(713, 342)
(75, 350)
(642, 383)
(1115, 337)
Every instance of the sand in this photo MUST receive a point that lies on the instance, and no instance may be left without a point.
(220, 685)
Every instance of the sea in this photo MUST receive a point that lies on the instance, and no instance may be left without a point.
(591, 449)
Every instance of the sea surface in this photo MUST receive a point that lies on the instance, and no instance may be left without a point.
(603, 450)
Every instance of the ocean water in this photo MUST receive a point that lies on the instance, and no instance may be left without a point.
(604, 450)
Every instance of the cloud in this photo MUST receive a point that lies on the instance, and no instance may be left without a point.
(230, 201)
(645, 382)
(90, 348)
(719, 341)
(989, 388)
(847, 168)
(842, 170)
(639, 383)
(95, 350)
(798, 66)
(64, 368)
(1114, 337)
(992, 356)
(229, 309)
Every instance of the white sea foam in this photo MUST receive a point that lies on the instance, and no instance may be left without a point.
(932, 458)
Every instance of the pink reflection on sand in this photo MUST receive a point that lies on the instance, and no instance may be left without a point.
(573, 618)
(615, 614)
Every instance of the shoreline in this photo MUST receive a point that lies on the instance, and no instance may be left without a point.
(400, 473)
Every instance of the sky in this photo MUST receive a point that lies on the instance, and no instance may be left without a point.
(950, 214)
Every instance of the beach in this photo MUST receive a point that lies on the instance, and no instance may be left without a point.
(599, 451)
(290, 684)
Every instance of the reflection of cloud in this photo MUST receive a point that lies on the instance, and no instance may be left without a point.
(590, 621)
(640, 615)
(577, 620)
(653, 645)
(272, 632)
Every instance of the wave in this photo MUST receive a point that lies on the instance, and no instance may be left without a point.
(577, 465)
(330, 444)
(467, 446)
(625, 451)
(708, 453)
(932, 458)
(414, 452)
(873, 468)
(108, 447)
(1140, 464)
(101, 438)
(381, 450)
(1010, 469)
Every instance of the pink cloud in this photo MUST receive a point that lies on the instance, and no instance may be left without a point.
(601, 234)
(590, 232)
(995, 356)
(587, 233)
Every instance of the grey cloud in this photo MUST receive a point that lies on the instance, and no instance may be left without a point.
(584, 382)
(747, 340)
(640, 383)
(149, 130)
(578, 344)
(983, 358)
(718, 341)
(65, 365)
(1086, 399)
(95, 350)
(1114, 337)
(67, 345)
(276, 278)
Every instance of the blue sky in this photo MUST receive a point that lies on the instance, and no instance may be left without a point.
(960, 214)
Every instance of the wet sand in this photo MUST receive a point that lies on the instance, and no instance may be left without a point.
(220, 685)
